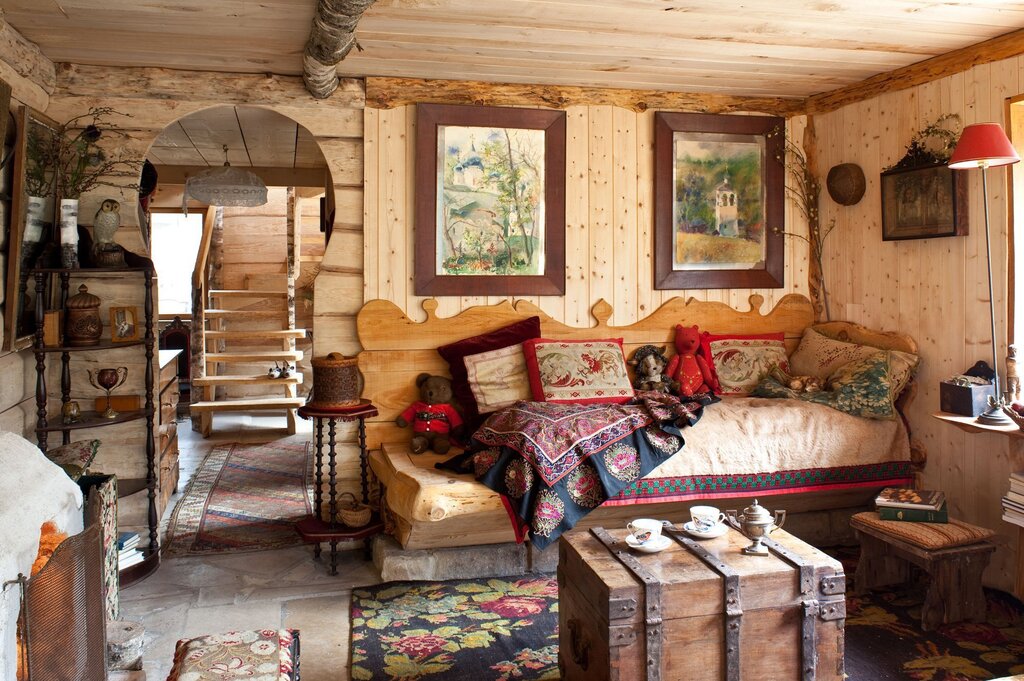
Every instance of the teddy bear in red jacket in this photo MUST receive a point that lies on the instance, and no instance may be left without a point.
(433, 418)
(688, 367)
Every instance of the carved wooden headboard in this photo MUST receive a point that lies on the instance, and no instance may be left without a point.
(396, 349)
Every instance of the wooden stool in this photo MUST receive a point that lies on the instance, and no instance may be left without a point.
(954, 555)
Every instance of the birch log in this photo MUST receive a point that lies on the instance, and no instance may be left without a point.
(332, 37)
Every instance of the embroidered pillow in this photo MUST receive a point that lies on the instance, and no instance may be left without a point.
(742, 361)
(577, 372)
(455, 354)
(74, 458)
(818, 355)
(498, 378)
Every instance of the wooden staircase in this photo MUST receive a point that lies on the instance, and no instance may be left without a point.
(246, 333)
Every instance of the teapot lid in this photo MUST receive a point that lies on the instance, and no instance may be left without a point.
(756, 512)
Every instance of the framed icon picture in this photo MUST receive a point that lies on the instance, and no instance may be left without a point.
(924, 202)
(124, 324)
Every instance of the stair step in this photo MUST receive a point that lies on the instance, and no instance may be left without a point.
(215, 313)
(247, 293)
(246, 379)
(260, 334)
(257, 356)
(249, 404)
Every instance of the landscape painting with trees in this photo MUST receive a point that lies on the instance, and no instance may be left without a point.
(718, 206)
(490, 203)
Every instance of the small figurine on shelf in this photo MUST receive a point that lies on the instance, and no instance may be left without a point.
(105, 252)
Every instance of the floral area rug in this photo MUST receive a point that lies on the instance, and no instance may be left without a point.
(479, 630)
(244, 497)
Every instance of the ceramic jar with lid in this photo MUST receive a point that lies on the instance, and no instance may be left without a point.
(83, 325)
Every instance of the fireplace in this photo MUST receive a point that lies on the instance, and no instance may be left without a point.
(62, 626)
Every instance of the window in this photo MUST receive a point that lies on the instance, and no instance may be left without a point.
(175, 245)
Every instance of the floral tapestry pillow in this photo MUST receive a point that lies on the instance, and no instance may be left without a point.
(498, 378)
(578, 372)
(818, 355)
(742, 361)
(861, 388)
(262, 655)
(74, 458)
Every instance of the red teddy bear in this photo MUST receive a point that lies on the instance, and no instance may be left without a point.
(689, 367)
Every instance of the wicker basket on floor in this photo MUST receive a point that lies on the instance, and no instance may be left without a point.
(351, 512)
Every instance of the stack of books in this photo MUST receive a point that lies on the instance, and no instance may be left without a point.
(1013, 502)
(128, 552)
(913, 505)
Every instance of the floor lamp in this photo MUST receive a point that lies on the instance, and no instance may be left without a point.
(985, 145)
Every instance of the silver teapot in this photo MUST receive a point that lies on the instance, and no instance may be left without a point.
(756, 522)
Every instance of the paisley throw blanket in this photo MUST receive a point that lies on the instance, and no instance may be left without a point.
(554, 463)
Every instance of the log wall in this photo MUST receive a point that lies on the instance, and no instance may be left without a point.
(933, 289)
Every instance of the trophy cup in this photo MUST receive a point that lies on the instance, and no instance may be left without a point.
(108, 380)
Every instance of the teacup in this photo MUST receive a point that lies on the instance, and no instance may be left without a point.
(706, 518)
(646, 530)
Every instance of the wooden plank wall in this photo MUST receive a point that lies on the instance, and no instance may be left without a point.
(935, 289)
(609, 219)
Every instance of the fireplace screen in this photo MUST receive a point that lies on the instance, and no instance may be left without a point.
(63, 618)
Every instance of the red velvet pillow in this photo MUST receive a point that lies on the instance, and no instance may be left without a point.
(578, 371)
(455, 353)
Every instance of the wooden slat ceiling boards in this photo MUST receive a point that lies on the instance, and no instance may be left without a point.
(782, 48)
(255, 138)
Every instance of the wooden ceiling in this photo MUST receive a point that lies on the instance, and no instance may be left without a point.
(785, 48)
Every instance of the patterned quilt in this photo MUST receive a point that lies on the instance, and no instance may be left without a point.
(554, 463)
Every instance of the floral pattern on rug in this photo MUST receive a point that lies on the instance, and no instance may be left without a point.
(484, 630)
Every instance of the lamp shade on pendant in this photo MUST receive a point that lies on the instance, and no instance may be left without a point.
(983, 144)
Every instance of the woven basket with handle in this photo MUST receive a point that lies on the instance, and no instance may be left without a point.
(351, 512)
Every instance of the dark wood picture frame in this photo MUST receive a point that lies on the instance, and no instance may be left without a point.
(769, 273)
(924, 202)
(427, 281)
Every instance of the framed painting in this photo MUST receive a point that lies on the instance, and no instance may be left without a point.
(924, 202)
(490, 201)
(124, 324)
(719, 201)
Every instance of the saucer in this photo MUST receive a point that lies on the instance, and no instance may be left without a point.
(717, 531)
(653, 546)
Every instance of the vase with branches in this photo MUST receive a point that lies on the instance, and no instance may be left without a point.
(805, 190)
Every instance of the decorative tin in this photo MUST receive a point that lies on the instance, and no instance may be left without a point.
(83, 325)
(336, 381)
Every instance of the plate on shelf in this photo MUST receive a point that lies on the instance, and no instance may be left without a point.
(653, 546)
(715, 532)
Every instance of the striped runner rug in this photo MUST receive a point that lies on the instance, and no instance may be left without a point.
(244, 497)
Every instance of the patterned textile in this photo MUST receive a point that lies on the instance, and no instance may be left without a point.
(928, 536)
(651, 490)
(498, 378)
(860, 388)
(742, 361)
(265, 655)
(577, 372)
(244, 497)
(818, 355)
(106, 487)
(565, 460)
(74, 458)
(486, 630)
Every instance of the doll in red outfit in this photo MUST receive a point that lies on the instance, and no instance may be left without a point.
(433, 418)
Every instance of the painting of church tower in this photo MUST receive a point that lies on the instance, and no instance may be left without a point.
(726, 210)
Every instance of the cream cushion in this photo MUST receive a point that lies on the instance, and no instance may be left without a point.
(820, 356)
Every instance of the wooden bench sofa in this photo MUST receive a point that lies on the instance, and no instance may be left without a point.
(430, 508)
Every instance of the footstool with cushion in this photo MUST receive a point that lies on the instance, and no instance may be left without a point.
(954, 555)
(258, 655)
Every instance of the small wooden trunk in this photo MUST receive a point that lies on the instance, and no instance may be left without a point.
(669, 618)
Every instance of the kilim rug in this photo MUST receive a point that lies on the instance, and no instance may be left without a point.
(244, 497)
(483, 630)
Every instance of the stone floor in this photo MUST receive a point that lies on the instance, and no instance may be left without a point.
(193, 595)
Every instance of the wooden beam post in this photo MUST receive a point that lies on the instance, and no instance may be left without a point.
(332, 37)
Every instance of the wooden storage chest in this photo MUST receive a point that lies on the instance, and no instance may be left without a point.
(626, 616)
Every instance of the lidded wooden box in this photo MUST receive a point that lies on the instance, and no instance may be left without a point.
(698, 610)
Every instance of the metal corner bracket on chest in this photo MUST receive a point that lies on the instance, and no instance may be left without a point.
(824, 600)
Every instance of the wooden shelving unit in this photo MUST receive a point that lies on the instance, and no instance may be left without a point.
(970, 424)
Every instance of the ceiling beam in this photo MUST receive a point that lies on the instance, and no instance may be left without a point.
(272, 177)
(332, 36)
(1008, 45)
(387, 93)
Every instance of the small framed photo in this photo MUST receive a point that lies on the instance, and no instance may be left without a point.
(124, 324)
(923, 202)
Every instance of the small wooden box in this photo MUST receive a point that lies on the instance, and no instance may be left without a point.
(120, 402)
(966, 400)
(53, 322)
(609, 631)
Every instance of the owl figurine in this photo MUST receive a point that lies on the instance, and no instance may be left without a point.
(105, 224)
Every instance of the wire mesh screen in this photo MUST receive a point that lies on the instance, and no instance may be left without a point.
(64, 620)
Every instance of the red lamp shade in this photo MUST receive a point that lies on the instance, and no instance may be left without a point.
(983, 144)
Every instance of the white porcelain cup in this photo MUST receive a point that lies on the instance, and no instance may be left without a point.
(706, 518)
(646, 530)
